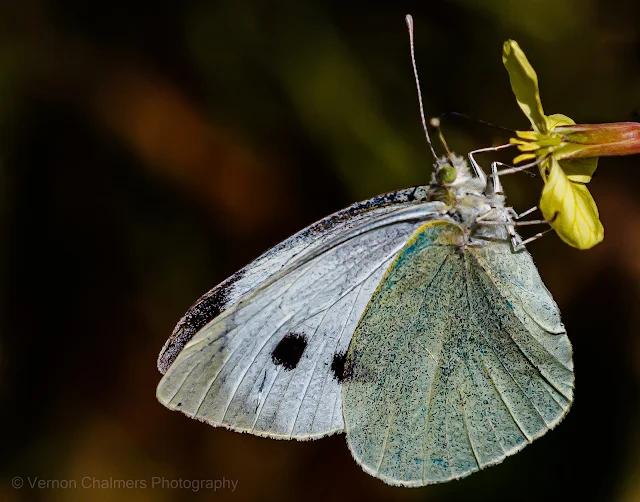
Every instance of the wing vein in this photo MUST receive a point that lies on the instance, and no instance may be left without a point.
(484, 265)
(466, 428)
(223, 367)
(438, 369)
(488, 303)
(261, 405)
(515, 419)
(471, 376)
(335, 348)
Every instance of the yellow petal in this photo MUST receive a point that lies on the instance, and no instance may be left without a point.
(523, 157)
(558, 119)
(524, 83)
(576, 216)
(529, 135)
(526, 146)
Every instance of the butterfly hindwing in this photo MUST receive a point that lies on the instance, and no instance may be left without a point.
(452, 367)
(270, 362)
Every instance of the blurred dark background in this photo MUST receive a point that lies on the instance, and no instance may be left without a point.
(147, 151)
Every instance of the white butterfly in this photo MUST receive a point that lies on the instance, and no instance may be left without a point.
(409, 321)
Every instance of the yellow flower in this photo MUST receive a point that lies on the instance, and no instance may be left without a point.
(565, 200)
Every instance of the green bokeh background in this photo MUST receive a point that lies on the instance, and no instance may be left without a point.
(147, 151)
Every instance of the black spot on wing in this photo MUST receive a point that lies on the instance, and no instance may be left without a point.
(289, 350)
(337, 365)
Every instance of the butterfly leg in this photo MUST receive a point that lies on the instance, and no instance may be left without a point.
(516, 169)
(525, 213)
(477, 170)
(474, 164)
(535, 237)
(535, 222)
(516, 241)
(497, 185)
(523, 243)
(512, 212)
(515, 223)
(485, 219)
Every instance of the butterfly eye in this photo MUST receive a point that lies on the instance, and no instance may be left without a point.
(447, 174)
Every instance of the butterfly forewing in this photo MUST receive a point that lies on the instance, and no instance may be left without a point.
(453, 367)
(302, 245)
(270, 363)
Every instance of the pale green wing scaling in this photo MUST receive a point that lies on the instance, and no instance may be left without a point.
(459, 361)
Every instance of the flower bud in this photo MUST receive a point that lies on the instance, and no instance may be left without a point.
(598, 140)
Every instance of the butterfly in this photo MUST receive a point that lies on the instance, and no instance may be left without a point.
(415, 322)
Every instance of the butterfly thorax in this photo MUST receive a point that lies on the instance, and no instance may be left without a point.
(470, 201)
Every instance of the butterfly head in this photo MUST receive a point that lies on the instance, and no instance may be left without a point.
(451, 171)
(446, 174)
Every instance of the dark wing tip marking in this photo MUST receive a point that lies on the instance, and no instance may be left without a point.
(207, 308)
(338, 366)
(289, 350)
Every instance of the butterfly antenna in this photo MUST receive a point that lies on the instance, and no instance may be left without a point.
(435, 123)
(409, 21)
(473, 119)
